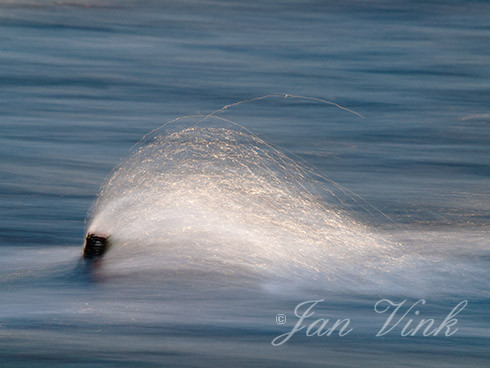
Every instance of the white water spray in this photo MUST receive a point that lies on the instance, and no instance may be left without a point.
(203, 196)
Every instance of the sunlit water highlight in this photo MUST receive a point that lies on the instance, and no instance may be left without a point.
(204, 196)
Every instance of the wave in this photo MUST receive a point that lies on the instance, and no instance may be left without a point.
(204, 198)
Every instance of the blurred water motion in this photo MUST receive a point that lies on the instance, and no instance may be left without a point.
(82, 81)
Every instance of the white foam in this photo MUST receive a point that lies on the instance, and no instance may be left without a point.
(202, 197)
(215, 197)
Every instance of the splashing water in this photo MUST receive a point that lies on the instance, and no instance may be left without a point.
(214, 197)
(203, 197)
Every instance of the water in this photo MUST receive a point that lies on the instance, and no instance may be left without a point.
(404, 189)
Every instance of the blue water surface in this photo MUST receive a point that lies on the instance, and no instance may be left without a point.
(82, 81)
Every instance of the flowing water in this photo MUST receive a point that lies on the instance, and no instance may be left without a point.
(354, 168)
